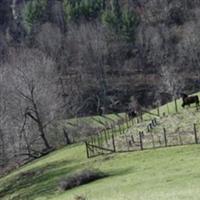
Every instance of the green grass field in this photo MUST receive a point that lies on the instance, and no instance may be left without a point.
(170, 173)
(160, 174)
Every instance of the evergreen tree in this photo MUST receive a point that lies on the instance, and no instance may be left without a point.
(129, 23)
(33, 11)
(116, 9)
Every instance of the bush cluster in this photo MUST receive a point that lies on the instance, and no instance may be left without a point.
(80, 178)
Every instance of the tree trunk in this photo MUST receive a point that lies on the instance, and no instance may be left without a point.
(42, 134)
(3, 158)
(40, 125)
(68, 141)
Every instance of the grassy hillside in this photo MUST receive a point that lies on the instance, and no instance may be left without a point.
(171, 173)
(161, 174)
(94, 121)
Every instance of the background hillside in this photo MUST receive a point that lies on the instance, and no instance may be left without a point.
(64, 59)
(109, 51)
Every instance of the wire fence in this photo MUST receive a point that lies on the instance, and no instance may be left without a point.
(116, 138)
(126, 142)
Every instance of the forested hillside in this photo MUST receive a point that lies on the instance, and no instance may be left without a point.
(62, 59)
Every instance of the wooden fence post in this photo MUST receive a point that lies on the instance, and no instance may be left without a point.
(115, 129)
(155, 122)
(87, 150)
(158, 111)
(112, 128)
(127, 125)
(92, 140)
(176, 107)
(123, 129)
(132, 120)
(132, 138)
(153, 142)
(108, 135)
(98, 140)
(119, 129)
(168, 109)
(141, 142)
(195, 134)
(165, 136)
(102, 141)
(141, 117)
(148, 129)
(101, 134)
(180, 139)
(127, 142)
(113, 142)
(106, 138)
(159, 140)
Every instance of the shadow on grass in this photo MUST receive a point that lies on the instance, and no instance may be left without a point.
(121, 172)
(41, 181)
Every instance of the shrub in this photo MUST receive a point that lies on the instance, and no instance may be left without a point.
(80, 178)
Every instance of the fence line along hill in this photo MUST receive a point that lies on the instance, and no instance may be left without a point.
(165, 126)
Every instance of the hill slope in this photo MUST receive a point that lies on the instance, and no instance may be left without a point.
(161, 174)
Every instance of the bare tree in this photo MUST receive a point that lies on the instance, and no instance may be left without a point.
(49, 39)
(173, 83)
(84, 70)
(98, 60)
(189, 49)
(3, 153)
(32, 83)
